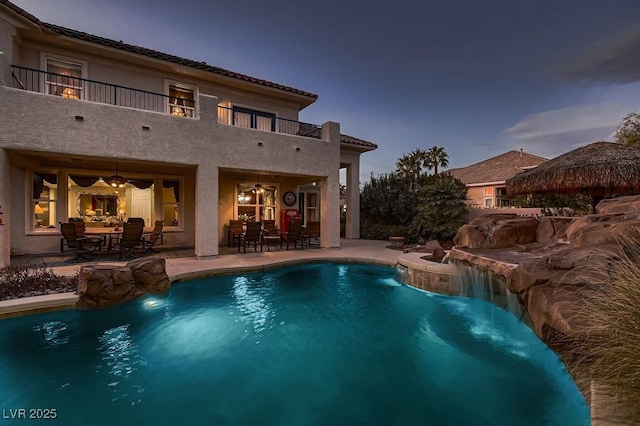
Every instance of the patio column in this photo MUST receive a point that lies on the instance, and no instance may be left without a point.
(5, 193)
(330, 194)
(206, 211)
(158, 207)
(62, 206)
(352, 228)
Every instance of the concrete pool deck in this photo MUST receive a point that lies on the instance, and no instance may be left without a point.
(180, 268)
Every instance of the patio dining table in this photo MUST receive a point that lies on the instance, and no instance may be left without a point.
(111, 234)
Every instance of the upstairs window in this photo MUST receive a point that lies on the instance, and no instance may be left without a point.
(245, 117)
(64, 78)
(182, 100)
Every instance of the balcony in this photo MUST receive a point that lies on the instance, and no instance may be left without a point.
(266, 122)
(72, 87)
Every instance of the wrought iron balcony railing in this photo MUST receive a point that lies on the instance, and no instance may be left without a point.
(267, 122)
(73, 87)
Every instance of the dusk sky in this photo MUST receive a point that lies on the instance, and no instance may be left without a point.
(478, 78)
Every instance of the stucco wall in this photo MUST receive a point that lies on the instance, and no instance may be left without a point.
(46, 124)
(476, 195)
(116, 71)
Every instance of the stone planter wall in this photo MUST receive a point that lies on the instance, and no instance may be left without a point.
(427, 275)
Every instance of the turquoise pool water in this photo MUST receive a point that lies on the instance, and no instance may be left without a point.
(335, 344)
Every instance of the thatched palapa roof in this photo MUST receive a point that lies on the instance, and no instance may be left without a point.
(600, 168)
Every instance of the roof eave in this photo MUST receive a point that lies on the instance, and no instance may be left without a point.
(358, 147)
(22, 15)
(497, 182)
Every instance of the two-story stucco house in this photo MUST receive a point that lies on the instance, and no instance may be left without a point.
(103, 130)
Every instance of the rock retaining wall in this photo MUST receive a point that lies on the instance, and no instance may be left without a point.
(551, 273)
(106, 285)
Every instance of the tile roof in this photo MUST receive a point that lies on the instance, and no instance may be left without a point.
(497, 169)
(154, 54)
(21, 12)
(312, 131)
(356, 141)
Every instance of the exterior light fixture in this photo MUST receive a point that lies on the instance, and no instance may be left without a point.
(117, 181)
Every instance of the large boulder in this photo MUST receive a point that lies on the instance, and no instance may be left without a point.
(106, 285)
(626, 204)
(150, 275)
(552, 228)
(101, 286)
(497, 231)
(597, 229)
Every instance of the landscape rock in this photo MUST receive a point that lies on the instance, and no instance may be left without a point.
(630, 203)
(150, 275)
(552, 228)
(551, 276)
(597, 229)
(105, 285)
(497, 231)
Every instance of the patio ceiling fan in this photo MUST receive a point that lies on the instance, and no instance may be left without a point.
(117, 181)
(258, 186)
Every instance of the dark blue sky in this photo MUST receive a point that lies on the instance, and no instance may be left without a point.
(476, 77)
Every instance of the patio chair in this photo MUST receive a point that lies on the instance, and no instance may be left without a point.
(130, 239)
(83, 246)
(312, 231)
(136, 219)
(253, 234)
(234, 233)
(294, 235)
(269, 227)
(80, 232)
(151, 239)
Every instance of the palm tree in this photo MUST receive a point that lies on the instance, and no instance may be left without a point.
(436, 156)
(405, 167)
(410, 165)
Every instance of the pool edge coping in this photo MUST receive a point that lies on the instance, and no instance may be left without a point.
(63, 301)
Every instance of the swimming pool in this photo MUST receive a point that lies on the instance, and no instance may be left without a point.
(309, 344)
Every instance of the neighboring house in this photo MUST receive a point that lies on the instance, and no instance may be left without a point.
(103, 130)
(486, 180)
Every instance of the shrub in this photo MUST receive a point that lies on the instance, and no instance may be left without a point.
(387, 199)
(32, 279)
(442, 208)
(558, 204)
